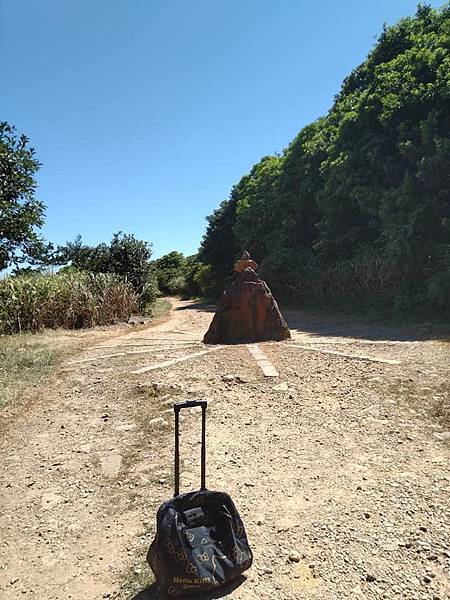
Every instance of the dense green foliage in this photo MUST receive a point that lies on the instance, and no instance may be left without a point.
(356, 211)
(20, 212)
(72, 300)
(171, 273)
(186, 276)
(125, 256)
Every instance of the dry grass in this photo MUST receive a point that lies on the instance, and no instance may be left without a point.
(135, 585)
(432, 402)
(25, 359)
(160, 308)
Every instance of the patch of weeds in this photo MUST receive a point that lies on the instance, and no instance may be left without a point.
(148, 390)
(25, 359)
(434, 402)
(441, 403)
(160, 308)
(134, 584)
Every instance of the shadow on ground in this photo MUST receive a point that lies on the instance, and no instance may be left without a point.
(154, 592)
(347, 326)
(340, 325)
(201, 306)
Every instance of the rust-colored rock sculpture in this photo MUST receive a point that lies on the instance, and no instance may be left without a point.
(247, 311)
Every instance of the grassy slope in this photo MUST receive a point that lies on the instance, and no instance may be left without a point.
(24, 360)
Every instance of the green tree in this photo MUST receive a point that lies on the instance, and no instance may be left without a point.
(357, 208)
(125, 256)
(219, 247)
(21, 213)
(171, 273)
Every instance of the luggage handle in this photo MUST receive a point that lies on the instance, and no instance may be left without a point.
(177, 408)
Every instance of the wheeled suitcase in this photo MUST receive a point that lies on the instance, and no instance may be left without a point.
(200, 542)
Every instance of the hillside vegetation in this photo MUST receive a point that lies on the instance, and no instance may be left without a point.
(356, 210)
(75, 299)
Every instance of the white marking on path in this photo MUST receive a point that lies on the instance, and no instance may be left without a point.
(157, 343)
(147, 351)
(169, 363)
(388, 361)
(262, 361)
(92, 359)
(358, 341)
(151, 348)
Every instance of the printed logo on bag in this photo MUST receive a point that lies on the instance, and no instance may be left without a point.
(191, 569)
(189, 536)
(187, 581)
(204, 541)
(203, 557)
(180, 555)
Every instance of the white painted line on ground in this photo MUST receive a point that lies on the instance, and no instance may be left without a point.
(163, 343)
(166, 349)
(93, 358)
(357, 341)
(127, 352)
(262, 361)
(148, 347)
(155, 338)
(169, 363)
(387, 361)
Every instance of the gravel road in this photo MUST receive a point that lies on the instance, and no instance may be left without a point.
(339, 466)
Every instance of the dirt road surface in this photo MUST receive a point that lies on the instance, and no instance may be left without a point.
(339, 465)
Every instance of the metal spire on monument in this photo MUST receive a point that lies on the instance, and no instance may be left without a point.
(245, 262)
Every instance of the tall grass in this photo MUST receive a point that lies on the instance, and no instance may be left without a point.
(368, 281)
(71, 300)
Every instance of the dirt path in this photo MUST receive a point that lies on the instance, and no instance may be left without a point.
(341, 462)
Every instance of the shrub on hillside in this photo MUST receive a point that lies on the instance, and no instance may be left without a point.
(170, 271)
(176, 285)
(356, 210)
(72, 300)
(125, 256)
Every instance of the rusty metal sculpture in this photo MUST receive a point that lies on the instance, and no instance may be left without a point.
(247, 311)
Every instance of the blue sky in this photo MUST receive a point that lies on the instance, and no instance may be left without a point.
(144, 113)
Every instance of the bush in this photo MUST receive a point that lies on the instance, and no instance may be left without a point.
(72, 300)
(125, 256)
(170, 273)
(356, 210)
(176, 285)
(206, 281)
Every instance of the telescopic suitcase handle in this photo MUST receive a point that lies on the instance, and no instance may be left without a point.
(177, 408)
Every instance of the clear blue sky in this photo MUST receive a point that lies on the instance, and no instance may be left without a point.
(144, 113)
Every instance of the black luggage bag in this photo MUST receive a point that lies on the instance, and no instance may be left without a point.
(200, 542)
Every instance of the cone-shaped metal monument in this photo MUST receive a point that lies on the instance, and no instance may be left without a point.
(247, 311)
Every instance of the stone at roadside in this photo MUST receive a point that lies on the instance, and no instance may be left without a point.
(228, 378)
(50, 500)
(282, 387)
(444, 436)
(138, 320)
(157, 421)
(294, 557)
